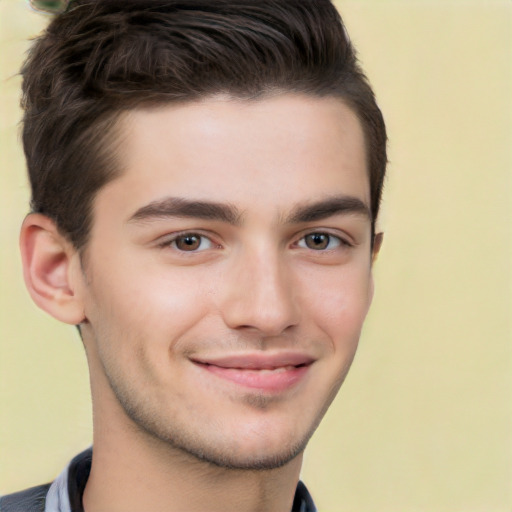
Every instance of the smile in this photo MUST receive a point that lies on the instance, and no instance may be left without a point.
(274, 373)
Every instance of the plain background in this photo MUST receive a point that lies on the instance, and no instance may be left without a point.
(424, 420)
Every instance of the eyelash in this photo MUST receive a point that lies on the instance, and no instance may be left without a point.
(171, 242)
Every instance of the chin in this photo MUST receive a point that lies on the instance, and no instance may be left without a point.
(249, 444)
(246, 446)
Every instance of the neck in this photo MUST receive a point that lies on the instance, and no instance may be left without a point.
(136, 476)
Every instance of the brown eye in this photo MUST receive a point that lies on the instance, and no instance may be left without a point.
(317, 241)
(188, 242)
(320, 241)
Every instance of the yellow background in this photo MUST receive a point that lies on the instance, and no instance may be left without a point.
(424, 421)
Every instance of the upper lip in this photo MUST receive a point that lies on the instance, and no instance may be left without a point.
(257, 361)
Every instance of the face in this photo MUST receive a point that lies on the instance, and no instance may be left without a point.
(228, 274)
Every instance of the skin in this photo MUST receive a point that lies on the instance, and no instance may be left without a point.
(158, 292)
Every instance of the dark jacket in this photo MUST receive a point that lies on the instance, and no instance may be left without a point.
(29, 500)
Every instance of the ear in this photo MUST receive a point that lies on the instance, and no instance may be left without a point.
(377, 244)
(51, 266)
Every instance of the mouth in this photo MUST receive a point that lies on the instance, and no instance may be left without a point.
(269, 373)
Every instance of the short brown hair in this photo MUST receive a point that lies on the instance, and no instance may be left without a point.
(103, 57)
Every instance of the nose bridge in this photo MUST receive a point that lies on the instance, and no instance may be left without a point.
(260, 292)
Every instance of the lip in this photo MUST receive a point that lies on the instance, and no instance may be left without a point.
(265, 372)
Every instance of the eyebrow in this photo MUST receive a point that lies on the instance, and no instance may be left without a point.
(329, 207)
(208, 210)
(180, 207)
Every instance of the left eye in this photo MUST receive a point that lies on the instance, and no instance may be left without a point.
(190, 242)
(319, 241)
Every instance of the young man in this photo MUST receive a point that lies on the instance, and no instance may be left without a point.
(206, 178)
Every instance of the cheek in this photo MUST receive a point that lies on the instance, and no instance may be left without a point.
(339, 301)
(131, 307)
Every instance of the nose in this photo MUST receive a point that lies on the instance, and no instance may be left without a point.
(260, 295)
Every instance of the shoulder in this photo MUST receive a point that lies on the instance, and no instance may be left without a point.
(29, 500)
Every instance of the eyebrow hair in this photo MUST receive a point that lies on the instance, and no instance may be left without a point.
(327, 208)
(180, 207)
(208, 210)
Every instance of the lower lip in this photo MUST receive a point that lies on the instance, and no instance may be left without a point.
(270, 381)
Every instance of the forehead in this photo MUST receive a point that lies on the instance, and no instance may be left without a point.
(272, 153)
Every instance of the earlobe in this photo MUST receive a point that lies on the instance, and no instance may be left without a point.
(49, 263)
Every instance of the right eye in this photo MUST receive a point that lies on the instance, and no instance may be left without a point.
(189, 242)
